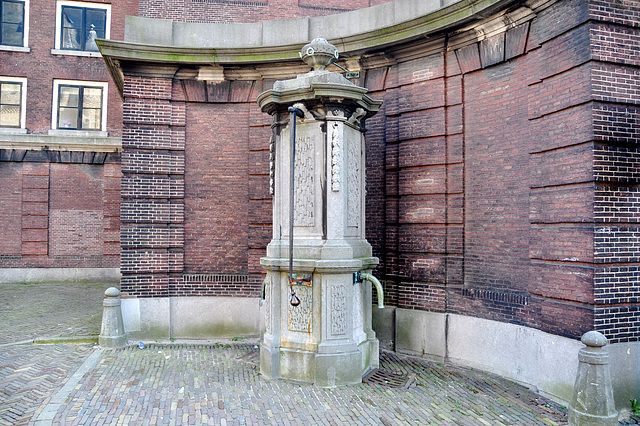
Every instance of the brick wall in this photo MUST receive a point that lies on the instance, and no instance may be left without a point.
(60, 209)
(616, 118)
(199, 232)
(11, 210)
(497, 156)
(152, 210)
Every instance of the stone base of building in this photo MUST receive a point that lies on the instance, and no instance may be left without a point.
(195, 318)
(544, 362)
(59, 275)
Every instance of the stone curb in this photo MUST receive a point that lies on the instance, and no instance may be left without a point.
(65, 339)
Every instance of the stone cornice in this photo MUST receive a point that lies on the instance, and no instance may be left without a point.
(362, 32)
(271, 99)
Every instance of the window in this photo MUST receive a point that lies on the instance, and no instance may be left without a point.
(78, 24)
(79, 105)
(12, 102)
(13, 22)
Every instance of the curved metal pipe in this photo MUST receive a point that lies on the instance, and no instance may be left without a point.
(376, 282)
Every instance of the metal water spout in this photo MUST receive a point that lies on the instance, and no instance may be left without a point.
(361, 276)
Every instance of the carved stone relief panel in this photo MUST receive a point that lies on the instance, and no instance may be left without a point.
(300, 316)
(304, 182)
(338, 304)
(354, 180)
(268, 320)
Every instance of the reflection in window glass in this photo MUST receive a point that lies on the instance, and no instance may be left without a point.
(12, 22)
(79, 108)
(10, 100)
(80, 25)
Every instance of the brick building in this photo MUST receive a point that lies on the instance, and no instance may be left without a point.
(60, 128)
(501, 180)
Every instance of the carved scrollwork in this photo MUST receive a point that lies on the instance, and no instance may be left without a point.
(272, 165)
(354, 182)
(338, 310)
(336, 157)
(304, 181)
(356, 117)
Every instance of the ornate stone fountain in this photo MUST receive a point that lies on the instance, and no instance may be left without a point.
(317, 307)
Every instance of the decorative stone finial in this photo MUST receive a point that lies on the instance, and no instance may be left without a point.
(319, 54)
(594, 339)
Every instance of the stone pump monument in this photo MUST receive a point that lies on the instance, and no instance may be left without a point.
(318, 294)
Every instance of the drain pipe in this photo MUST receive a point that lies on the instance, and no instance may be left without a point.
(294, 113)
(360, 276)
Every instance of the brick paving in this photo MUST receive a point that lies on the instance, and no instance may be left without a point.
(219, 383)
(31, 311)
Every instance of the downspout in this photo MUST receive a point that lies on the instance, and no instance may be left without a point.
(294, 113)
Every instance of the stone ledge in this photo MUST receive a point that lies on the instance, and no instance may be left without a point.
(60, 142)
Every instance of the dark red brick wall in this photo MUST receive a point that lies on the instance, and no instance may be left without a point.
(245, 11)
(616, 119)
(76, 222)
(216, 188)
(60, 209)
(196, 210)
(11, 210)
(492, 191)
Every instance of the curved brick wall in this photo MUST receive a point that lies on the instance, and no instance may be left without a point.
(501, 179)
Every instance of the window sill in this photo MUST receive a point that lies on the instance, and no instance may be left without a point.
(15, 49)
(12, 131)
(78, 133)
(76, 53)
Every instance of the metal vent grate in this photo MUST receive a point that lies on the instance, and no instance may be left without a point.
(252, 357)
(391, 379)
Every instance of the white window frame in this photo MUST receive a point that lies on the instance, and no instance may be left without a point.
(107, 31)
(54, 110)
(25, 33)
(23, 105)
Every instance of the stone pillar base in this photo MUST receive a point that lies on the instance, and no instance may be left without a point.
(320, 369)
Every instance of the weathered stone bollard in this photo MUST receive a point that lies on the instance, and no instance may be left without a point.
(112, 332)
(592, 403)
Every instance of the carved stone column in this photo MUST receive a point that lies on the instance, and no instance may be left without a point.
(327, 338)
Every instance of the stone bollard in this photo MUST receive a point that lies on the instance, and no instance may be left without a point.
(112, 333)
(592, 403)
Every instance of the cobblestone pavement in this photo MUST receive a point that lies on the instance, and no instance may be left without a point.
(219, 383)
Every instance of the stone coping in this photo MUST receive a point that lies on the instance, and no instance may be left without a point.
(277, 42)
